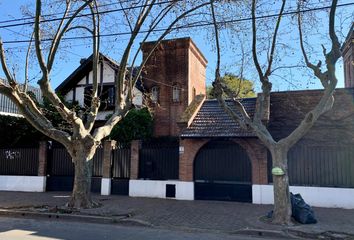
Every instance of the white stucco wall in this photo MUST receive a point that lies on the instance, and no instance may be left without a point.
(23, 183)
(102, 115)
(314, 196)
(137, 97)
(157, 189)
(69, 96)
(106, 186)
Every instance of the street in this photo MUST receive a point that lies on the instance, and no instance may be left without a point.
(39, 229)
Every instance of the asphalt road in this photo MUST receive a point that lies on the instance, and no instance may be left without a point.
(39, 229)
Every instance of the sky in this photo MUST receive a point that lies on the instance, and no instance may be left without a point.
(232, 41)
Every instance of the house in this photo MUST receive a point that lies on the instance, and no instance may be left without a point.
(78, 86)
(218, 160)
(8, 108)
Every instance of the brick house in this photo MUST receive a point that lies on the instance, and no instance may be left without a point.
(220, 161)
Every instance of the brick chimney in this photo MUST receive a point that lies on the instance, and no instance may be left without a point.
(348, 59)
(173, 75)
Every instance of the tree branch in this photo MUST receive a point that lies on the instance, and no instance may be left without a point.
(95, 102)
(29, 109)
(167, 31)
(326, 101)
(270, 61)
(26, 63)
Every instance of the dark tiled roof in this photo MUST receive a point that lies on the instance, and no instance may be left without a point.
(213, 121)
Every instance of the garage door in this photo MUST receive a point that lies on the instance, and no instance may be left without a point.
(222, 171)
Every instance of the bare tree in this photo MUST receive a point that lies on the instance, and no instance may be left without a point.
(279, 149)
(82, 141)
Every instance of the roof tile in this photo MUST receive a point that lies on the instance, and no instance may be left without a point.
(213, 121)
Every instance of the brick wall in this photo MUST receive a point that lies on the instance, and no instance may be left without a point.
(172, 64)
(197, 65)
(257, 154)
(186, 159)
(287, 110)
(348, 59)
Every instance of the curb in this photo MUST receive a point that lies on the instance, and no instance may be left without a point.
(263, 233)
(60, 216)
(322, 235)
(127, 221)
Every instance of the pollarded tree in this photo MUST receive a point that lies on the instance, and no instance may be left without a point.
(279, 149)
(142, 18)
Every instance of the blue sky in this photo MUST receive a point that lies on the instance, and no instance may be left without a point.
(70, 55)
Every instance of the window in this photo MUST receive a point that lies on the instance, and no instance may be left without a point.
(107, 97)
(176, 92)
(155, 94)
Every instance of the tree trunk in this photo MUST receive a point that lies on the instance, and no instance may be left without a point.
(282, 204)
(81, 195)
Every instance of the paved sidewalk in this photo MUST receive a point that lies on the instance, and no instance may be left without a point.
(229, 217)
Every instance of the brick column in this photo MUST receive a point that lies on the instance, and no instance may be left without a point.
(259, 162)
(134, 159)
(106, 167)
(42, 165)
(186, 158)
(42, 159)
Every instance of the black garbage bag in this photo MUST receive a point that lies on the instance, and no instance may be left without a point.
(301, 211)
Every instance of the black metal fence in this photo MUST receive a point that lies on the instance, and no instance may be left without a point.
(159, 160)
(121, 163)
(19, 161)
(97, 163)
(59, 162)
(319, 166)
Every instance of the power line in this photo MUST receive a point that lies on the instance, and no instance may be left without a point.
(54, 14)
(72, 11)
(87, 14)
(192, 25)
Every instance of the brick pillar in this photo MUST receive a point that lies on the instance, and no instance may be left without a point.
(134, 159)
(261, 153)
(42, 159)
(106, 167)
(190, 149)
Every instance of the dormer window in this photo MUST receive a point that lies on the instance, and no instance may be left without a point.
(155, 94)
(176, 93)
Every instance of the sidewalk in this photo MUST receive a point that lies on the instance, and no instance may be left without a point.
(229, 217)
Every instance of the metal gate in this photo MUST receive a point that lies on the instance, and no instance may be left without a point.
(159, 160)
(120, 171)
(60, 169)
(222, 171)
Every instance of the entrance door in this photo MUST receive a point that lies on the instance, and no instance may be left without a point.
(222, 171)
(60, 169)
